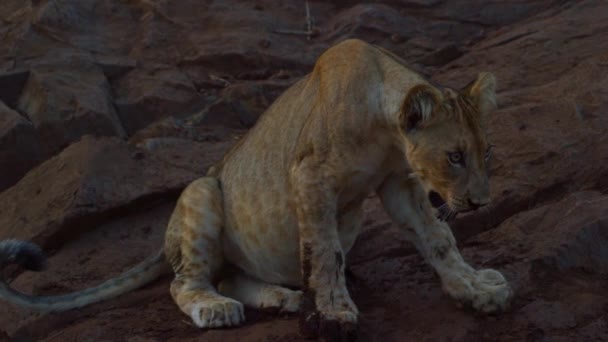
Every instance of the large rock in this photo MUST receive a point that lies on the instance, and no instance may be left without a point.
(240, 105)
(68, 100)
(11, 85)
(368, 21)
(491, 13)
(571, 234)
(550, 129)
(19, 150)
(555, 257)
(144, 96)
(86, 25)
(94, 179)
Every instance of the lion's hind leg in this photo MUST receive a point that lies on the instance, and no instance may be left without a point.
(193, 248)
(258, 294)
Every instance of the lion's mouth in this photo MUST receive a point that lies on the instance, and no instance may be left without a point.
(444, 212)
(436, 199)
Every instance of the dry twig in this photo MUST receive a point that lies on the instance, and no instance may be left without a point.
(310, 23)
(224, 81)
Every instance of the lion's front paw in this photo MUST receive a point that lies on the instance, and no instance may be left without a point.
(338, 326)
(337, 322)
(217, 313)
(486, 290)
(331, 326)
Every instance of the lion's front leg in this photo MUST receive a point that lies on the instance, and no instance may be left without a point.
(485, 290)
(327, 309)
(407, 204)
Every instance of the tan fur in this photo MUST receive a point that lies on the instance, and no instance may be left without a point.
(284, 205)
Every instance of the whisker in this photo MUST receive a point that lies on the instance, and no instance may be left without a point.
(441, 213)
(453, 216)
(446, 215)
(449, 214)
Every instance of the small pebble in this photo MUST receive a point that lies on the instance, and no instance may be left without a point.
(396, 38)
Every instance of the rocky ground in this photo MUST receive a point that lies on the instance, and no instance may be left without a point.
(109, 108)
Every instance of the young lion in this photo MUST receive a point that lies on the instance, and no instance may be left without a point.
(285, 204)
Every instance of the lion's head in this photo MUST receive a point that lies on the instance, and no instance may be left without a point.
(446, 143)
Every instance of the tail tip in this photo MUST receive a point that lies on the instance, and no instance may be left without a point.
(27, 254)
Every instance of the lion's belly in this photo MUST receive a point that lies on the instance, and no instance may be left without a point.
(262, 239)
(264, 243)
(261, 233)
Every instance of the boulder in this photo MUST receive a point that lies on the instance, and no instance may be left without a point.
(144, 96)
(68, 100)
(19, 146)
(93, 179)
(570, 234)
(11, 85)
(239, 105)
(549, 131)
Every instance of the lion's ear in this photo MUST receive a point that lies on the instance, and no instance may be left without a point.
(483, 92)
(418, 107)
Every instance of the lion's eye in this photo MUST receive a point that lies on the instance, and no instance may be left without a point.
(456, 158)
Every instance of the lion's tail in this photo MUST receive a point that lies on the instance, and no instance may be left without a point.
(31, 257)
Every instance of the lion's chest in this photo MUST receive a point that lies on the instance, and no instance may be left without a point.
(361, 174)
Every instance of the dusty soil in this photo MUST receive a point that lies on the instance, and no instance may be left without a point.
(109, 108)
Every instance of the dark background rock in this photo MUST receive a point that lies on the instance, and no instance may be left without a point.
(67, 100)
(19, 150)
(108, 109)
(11, 85)
(92, 178)
(144, 96)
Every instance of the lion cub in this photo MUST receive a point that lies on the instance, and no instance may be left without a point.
(284, 206)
